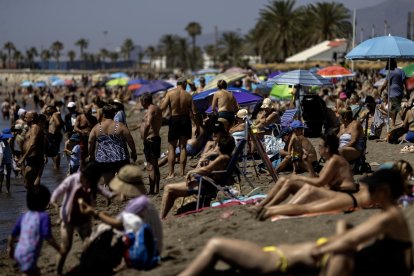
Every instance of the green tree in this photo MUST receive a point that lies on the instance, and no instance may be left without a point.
(150, 52)
(17, 56)
(56, 48)
(127, 48)
(114, 56)
(45, 56)
(168, 45)
(31, 54)
(229, 48)
(82, 44)
(326, 21)
(193, 29)
(277, 30)
(3, 58)
(9, 47)
(71, 56)
(183, 60)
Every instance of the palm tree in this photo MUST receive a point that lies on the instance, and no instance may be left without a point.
(114, 56)
(56, 47)
(193, 29)
(83, 44)
(150, 52)
(277, 30)
(3, 58)
(31, 54)
(183, 60)
(327, 21)
(9, 46)
(229, 48)
(17, 56)
(45, 56)
(127, 48)
(168, 44)
(71, 56)
(104, 53)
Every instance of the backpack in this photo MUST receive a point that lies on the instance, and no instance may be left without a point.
(141, 253)
(103, 253)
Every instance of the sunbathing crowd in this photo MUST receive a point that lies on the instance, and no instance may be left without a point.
(101, 152)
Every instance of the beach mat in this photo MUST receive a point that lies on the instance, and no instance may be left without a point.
(227, 203)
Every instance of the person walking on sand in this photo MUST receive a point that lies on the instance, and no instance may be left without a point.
(150, 134)
(54, 134)
(83, 125)
(182, 110)
(33, 150)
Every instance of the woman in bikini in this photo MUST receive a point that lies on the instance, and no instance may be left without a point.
(324, 200)
(335, 174)
(351, 136)
(391, 253)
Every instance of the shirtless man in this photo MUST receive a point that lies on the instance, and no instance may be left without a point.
(83, 125)
(225, 103)
(150, 129)
(182, 110)
(33, 150)
(54, 134)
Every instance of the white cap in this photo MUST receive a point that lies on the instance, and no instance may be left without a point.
(21, 111)
(71, 104)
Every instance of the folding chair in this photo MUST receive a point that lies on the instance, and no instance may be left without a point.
(286, 118)
(231, 170)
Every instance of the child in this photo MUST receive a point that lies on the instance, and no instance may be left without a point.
(30, 230)
(74, 154)
(303, 154)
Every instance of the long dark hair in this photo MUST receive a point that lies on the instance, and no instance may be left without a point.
(332, 142)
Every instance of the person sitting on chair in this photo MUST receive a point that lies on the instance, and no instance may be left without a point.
(351, 136)
(189, 186)
(267, 117)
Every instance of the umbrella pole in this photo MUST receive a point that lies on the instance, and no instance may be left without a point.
(388, 91)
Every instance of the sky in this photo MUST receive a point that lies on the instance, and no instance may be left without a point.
(107, 23)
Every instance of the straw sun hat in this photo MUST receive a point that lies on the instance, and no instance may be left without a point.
(267, 103)
(128, 181)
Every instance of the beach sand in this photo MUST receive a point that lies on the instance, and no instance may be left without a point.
(185, 236)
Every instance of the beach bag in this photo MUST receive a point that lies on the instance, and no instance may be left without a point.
(394, 135)
(103, 252)
(141, 252)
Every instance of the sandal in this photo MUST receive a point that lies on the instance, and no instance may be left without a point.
(406, 149)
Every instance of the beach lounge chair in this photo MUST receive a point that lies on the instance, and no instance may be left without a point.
(286, 119)
(232, 170)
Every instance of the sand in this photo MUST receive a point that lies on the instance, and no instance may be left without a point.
(186, 235)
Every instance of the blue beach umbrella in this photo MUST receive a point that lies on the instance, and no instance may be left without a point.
(40, 84)
(118, 75)
(26, 83)
(383, 48)
(58, 82)
(137, 81)
(299, 77)
(153, 87)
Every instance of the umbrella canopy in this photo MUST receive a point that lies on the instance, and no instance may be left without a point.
(228, 77)
(40, 84)
(409, 70)
(118, 75)
(236, 70)
(133, 87)
(335, 71)
(153, 87)
(243, 97)
(383, 47)
(281, 92)
(299, 77)
(137, 81)
(58, 82)
(26, 83)
(117, 82)
(274, 74)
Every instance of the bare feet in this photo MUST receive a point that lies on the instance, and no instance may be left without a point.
(170, 176)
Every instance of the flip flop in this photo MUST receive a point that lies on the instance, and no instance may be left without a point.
(405, 149)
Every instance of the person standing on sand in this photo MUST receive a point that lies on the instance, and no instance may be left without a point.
(225, 103)
(182, 110)
(54, 135)
(83, 126)
(150, 134)
(33, 149)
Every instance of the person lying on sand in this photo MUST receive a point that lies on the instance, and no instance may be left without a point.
(324, 200)
(342, 254)
(336, 174)
(188, 187)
